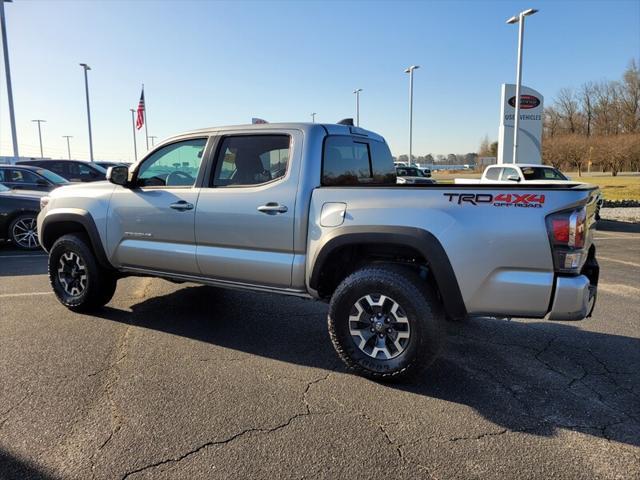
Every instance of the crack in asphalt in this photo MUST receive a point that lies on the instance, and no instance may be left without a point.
(572, 381)
(306, 413)
(7, 412)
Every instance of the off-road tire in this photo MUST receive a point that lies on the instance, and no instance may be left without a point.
(423, 310)
(100, 283)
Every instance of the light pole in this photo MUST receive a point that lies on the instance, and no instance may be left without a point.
(153, 138)
(7, 70)
(133, 129)
(86, 88)
(40, 135)
(313, 117)
(516, 122)
(410, 70)
(357, 93)
(68, 144)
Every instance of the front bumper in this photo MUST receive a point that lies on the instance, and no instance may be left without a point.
(575, 297)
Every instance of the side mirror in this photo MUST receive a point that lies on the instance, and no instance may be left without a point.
(513, 178)
(42, 183)
(118, 175)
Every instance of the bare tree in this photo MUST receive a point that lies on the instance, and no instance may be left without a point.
(630, 98)
(552, 121)
(567, 105)
(587, 94)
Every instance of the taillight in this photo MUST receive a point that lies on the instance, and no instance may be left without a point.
(567, 233)
(560, 230)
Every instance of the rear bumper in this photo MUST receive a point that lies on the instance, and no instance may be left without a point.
(575, 297)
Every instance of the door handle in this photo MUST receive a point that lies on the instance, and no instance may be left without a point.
(181, 206)
(272, 208)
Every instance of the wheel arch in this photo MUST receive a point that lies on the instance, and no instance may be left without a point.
(54, 225)
(10, 218)
(418, 246)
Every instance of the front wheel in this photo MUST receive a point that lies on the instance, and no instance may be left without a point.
(77, 279)
(23, 232)
(386, 323)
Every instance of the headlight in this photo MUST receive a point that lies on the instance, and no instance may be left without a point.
(44, 201)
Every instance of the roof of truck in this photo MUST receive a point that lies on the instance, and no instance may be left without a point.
(521, 165)
(330, 128)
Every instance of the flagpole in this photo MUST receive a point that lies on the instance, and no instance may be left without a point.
(146, 132)
(133, 127)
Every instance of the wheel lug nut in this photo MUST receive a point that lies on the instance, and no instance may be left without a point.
(386, 320)
(372, 329)
(389, 330)
(381, 335)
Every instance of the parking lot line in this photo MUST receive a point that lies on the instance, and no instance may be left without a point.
(9, 295)
(624, 262)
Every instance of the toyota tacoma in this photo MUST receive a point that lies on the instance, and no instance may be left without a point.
(314, 211)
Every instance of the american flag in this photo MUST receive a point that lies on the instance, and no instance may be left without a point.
(141, 111)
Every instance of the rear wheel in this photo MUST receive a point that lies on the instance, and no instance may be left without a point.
(23, 232)
(386, 323)
(77, 279)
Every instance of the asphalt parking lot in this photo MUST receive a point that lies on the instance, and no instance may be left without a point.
(186, 381)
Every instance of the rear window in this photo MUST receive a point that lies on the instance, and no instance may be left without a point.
(349, 161)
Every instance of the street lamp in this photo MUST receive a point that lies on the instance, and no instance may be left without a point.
(357, 93)
(133, 129)
(410, 70)
(40, 135)
(86, 88)
(7, 71)
(68, 144)
(313, 117)
(519, 19)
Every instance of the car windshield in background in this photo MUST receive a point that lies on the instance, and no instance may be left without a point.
(52, 177)
(99, 168)
(4, 188)
(409, 172)
(541, 173)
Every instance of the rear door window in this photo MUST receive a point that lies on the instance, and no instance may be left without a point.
(353, 161)
(246, 160)
(493, 173)
(508, 173)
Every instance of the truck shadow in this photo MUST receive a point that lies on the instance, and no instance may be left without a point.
(14, 468)
(524, 376)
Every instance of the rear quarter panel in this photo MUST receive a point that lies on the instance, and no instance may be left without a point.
(499, 252)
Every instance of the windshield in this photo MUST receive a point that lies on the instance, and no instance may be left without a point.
(99, 168)
(409, 172)
(52, 177)
(542, 173)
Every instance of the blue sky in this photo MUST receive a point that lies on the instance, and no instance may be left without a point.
(218, 63)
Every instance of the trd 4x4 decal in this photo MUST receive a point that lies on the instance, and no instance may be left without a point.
(522, 200)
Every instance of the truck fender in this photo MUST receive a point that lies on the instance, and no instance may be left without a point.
(420, 240)
(83, 219)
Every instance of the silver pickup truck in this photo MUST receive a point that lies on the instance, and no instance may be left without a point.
(314, 211)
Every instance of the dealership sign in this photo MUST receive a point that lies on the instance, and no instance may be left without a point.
(530, 131)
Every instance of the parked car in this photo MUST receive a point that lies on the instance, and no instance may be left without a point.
(426, 172)
(527, 174)
(71, 170)
(23, 177)
(519, 173)
(18, 212)
(314, 211)
(412, 175)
